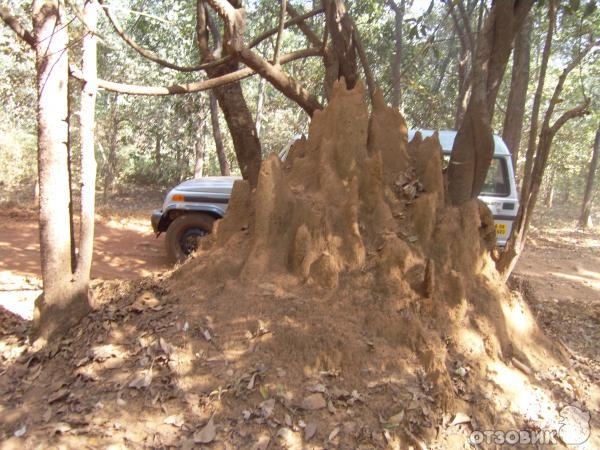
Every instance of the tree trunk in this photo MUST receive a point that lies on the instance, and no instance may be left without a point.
(399, 11)
(199, 146)
(216, 127)
(473, 147)
(157, 153)
(88, 156)
(232, 102)
(61, 305)
(341, 30)
(260, 103)
(537, 98)
(515, 109)
(585, 219)
(111, 156)
(549, 200)
(241, 127)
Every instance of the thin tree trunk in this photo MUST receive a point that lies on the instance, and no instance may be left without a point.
(157, 150)
(585, 219)
(537, 99)
(515, 109)
(88, 157)
(199, 147)
(549, 200)
(111, 156)
(61, 305)
(399, 10)
(216, 127)
(259, 104)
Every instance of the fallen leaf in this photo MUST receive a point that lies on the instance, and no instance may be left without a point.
(142, 381)
(264, 391)
(47, 415)
(252, 381)
(165, 346)
(317, 388)
(394, 421)
(59, 395)
(61, 428)
(310, 431)
(21, 431)
(175, 420)
(333, 434)
(314, 402)
(267, 408)
(206, 434)
(460, 418)
(262, 443)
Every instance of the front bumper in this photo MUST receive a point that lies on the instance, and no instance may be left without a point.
(155, 219)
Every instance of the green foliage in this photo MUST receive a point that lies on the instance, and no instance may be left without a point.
(128, 128)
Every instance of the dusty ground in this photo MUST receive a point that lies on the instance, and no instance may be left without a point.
(124, 248)
(559, 276)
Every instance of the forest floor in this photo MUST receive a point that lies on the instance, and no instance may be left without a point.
(559, 276)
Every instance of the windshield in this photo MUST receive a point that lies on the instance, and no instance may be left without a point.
(496, 182)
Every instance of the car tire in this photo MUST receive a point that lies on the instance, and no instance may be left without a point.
(183, 233)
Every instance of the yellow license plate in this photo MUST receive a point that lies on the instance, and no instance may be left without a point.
(500, 229)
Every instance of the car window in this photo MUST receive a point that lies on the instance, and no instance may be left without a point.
(496, 181)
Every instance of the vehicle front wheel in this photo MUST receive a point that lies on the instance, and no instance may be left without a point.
(183, 234)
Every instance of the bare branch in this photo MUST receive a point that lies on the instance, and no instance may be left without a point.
(79, 14)
(364, 61)
(142, 51)
(195, 86)
(205, 65)
(285, 84)
(295, 21)
(279, 32)
(579, 110)
(592, 46)
(234, 43)
(16, 26)
(304, 27)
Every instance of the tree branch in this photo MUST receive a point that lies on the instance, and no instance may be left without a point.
(579, 110)
(304, 27)
(79, 14)
(279, 33)
(139, 49)
(195, 86)
(285, 84)
(364, 61)
(148, 54)
(234, 43)
(592, 45)
(16, 26)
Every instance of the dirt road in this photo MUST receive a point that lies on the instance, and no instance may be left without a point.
(124, 248)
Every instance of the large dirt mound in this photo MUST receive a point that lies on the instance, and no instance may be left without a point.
(342, 304)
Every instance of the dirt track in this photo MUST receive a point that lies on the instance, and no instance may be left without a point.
(124, 248)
